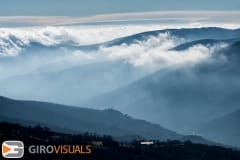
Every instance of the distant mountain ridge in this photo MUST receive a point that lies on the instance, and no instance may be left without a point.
(189, 34)
(75, 119)
(192, 34)
(81, 120)
(204, 42)
(225, 128)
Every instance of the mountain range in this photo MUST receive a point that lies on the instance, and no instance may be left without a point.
(186, 97)
(76, 120)
(183, 98)
(81, 120)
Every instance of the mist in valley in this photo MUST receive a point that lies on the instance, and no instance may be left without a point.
(172, 77)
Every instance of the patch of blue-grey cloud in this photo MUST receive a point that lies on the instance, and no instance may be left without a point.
(227, 19)
(93, 7)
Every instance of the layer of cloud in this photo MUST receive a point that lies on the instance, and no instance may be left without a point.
(14, 40)
(216, 18)
(153, 50)
(156, 52)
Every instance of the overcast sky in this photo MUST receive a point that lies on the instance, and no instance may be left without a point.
(93, 7)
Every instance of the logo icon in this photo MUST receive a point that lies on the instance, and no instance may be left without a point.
(12, 149)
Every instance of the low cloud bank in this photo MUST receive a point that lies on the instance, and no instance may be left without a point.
(152, 52)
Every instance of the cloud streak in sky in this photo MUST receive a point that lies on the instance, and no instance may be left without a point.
(185, 17)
